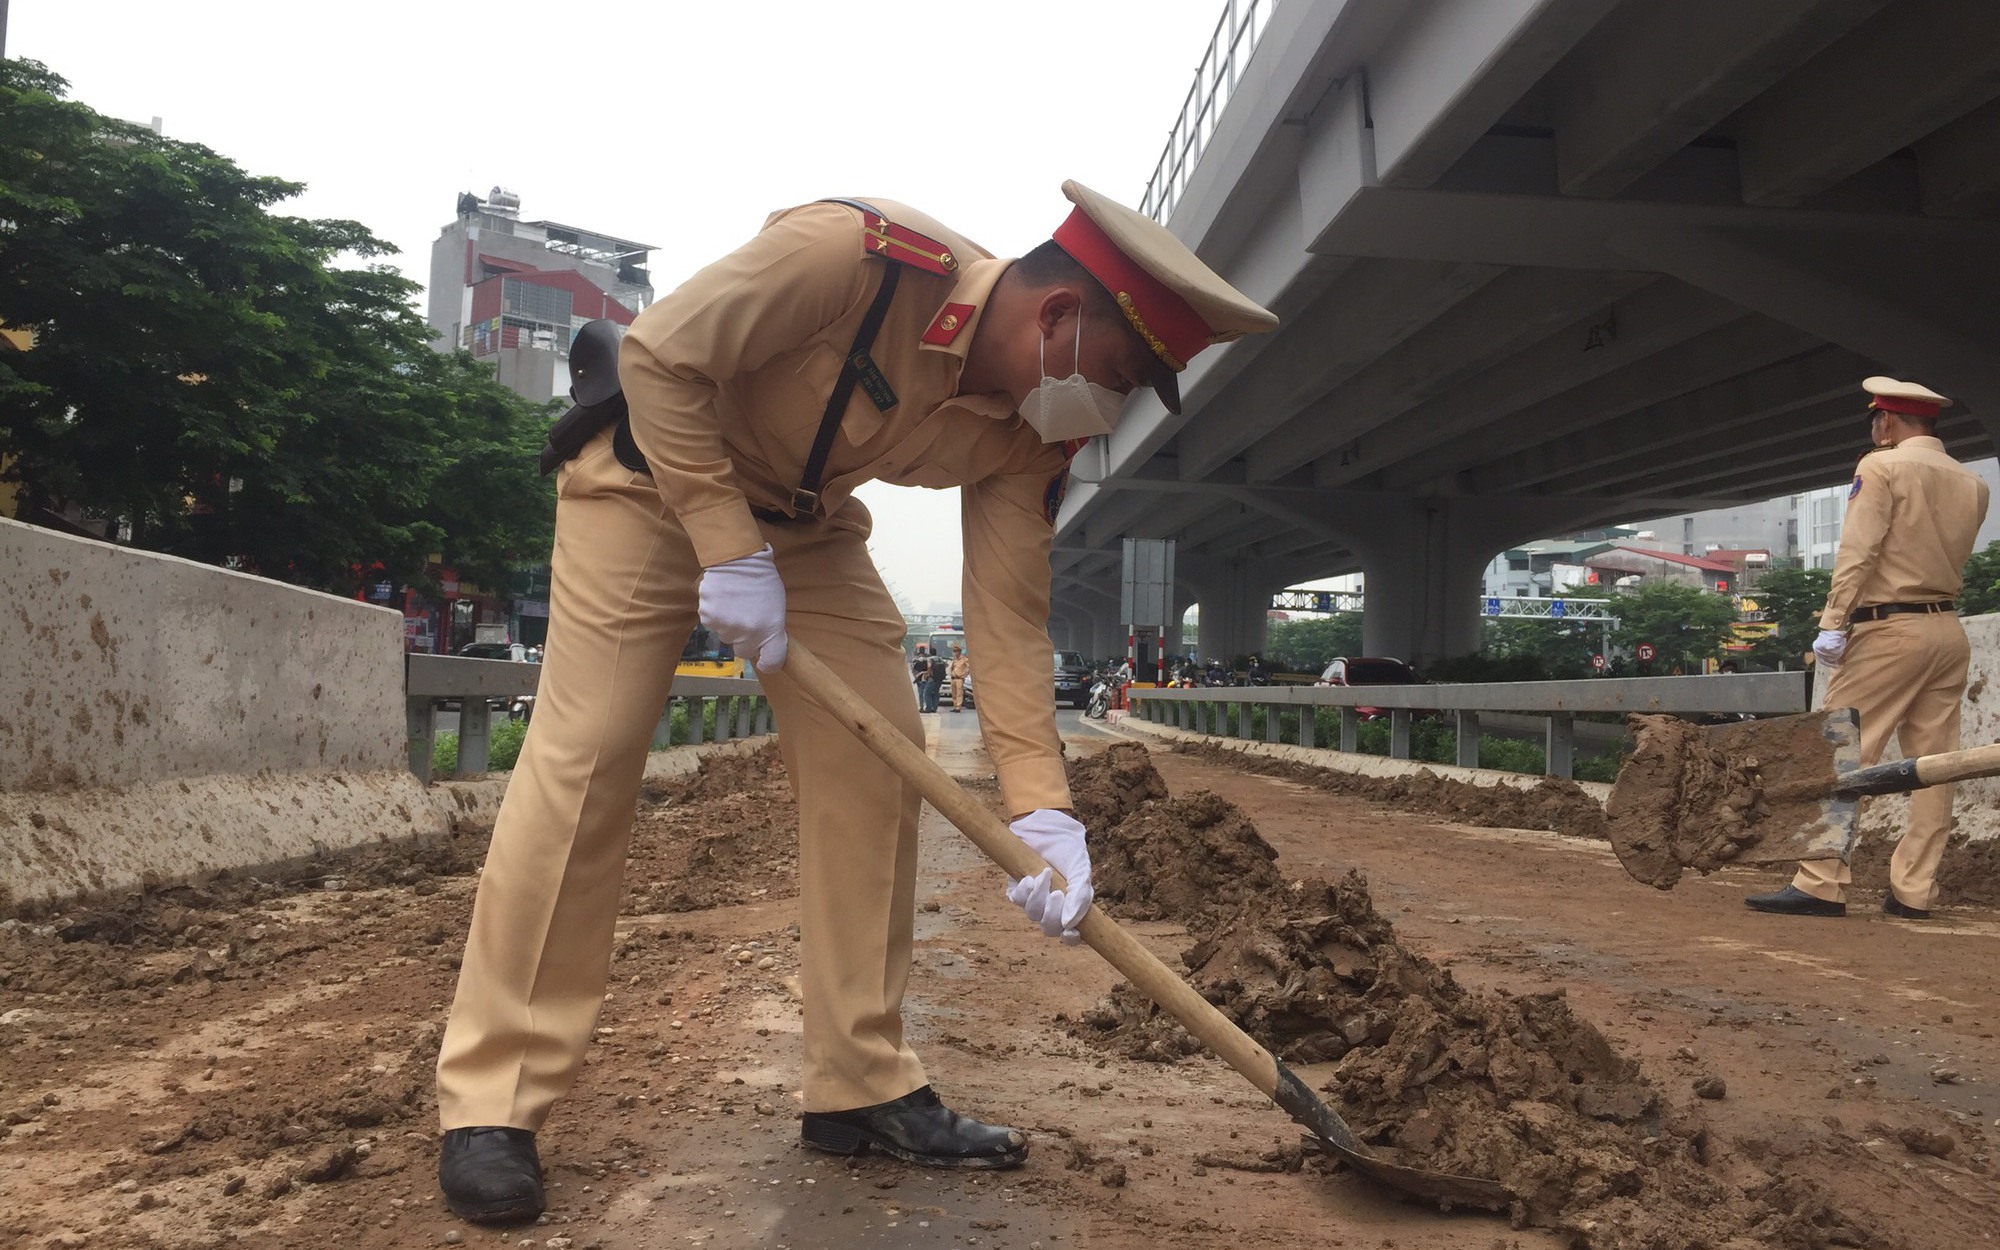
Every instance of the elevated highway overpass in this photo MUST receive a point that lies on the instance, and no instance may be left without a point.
(1544, 264)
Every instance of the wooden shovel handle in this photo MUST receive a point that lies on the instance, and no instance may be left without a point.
(1900, 776)
(1947, 766)
(991, 835)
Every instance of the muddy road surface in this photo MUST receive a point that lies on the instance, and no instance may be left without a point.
(248, 1062)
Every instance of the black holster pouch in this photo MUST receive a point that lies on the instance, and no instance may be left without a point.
(581, 424)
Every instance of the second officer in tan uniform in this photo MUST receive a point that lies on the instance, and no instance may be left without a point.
(1890, 631)
(848, 342)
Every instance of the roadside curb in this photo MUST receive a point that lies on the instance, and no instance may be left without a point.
(1354, 762)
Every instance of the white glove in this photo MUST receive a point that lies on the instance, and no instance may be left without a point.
(1057, 838)
(1829, 647)
(743, 601)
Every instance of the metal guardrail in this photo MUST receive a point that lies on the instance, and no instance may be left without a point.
(740, 710)
(1229, 49)
(1230, 711)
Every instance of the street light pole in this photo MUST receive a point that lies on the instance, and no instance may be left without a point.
(3, 30)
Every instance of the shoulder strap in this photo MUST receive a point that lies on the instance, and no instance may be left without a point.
(805, 500)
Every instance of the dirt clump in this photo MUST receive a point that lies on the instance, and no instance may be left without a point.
(1681, 801)
(724, 834)
(1553, 803)
(1695, 797)
(1107, 787)
(1175, 859)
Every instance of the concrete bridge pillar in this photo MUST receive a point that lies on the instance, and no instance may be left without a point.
(1235, 599)
(1421, 557)
(1063, 630)
(1420, 577)
(1107, 636)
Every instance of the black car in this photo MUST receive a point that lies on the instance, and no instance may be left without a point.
(517, 707)
(1072, 678)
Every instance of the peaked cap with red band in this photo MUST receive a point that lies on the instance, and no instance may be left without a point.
(1906, 399)
(1177, 304)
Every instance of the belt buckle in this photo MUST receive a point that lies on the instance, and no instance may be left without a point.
(805, 504)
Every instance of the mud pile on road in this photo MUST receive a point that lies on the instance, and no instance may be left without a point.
(1553, 803)
(1154, 857)
(1968, 875)
(1107, 787)
(1515, 1088)
(724, 834)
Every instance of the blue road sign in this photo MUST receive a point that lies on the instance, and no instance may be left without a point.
(1492, 607)
(1556, 607)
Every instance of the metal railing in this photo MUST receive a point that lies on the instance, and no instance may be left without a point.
(740, 709)
(1230, 711)
(1222, 65)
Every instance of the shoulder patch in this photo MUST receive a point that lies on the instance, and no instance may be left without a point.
(945, 327)
(1053, 495)
(1855, 489)
(884, 238)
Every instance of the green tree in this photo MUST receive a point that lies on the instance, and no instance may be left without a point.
(1558, 648)
(1305, 644)
(1981, 593)
(1791, 599)
(1685, 624)
(204, 373)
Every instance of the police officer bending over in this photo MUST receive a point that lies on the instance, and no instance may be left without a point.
(849, 341)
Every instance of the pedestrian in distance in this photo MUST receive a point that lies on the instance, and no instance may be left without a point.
(711, 493)
(934, 673)
(920, 677)
(1890, 632)
(960, 671)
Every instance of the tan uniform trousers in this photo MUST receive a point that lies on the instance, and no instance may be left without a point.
(1906, 675)
(622, 605)
(958, 694)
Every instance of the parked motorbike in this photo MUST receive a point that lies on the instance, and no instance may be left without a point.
(1099, 703)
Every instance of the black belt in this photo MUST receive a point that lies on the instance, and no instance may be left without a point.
(1876, 611)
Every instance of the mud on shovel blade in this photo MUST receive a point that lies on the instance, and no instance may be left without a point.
(1105, 936)
(1755, 792)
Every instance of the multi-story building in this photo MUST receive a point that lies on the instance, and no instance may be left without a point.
(514, 293)
(1826, 511)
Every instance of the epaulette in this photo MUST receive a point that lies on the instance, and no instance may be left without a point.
(884, 238)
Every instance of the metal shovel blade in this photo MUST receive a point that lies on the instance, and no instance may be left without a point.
(1753, 792)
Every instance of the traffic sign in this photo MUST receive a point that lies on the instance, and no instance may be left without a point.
(1646, 651)
(1597, 662)
(1492, 607)
(1556, 607)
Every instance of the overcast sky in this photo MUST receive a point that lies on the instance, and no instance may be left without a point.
(676, 124)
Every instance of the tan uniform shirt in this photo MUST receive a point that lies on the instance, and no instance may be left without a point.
(1912, 518)
(727, 378)
(961, 666)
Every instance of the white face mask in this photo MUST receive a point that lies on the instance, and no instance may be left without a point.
(1071, 407)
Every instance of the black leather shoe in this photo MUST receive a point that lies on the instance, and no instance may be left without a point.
(1792, 901)
(916, 1128)
(1893, 906)
(491, 1175)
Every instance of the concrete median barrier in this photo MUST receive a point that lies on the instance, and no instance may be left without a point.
(162, 719)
